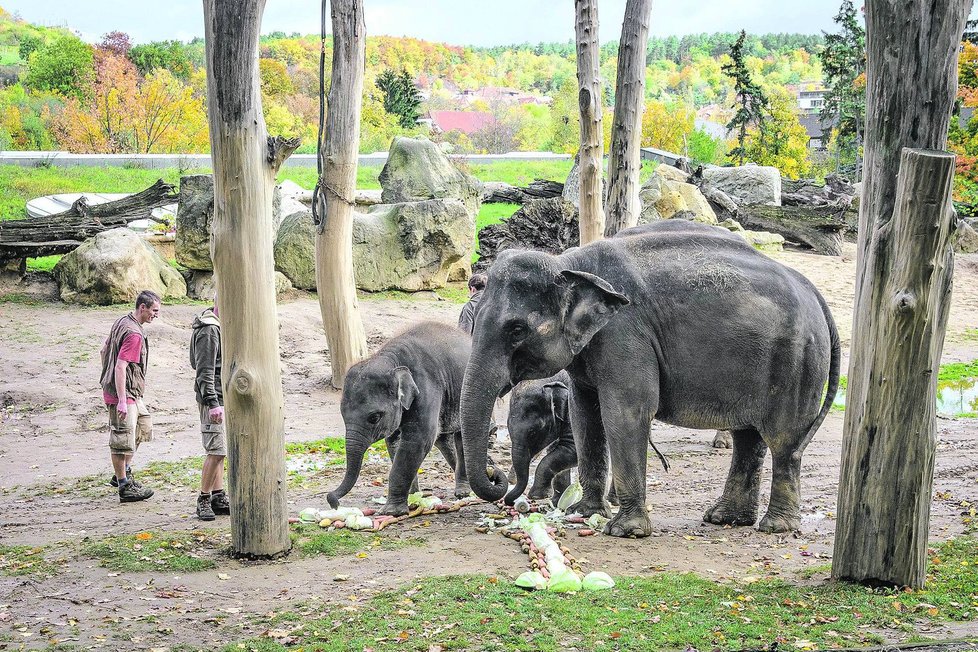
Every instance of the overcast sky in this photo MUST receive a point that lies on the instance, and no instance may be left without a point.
(458, 22)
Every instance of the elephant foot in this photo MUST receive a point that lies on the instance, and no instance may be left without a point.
(394, 509)
(539, 494)
(723, 439)
(462, 489)
(587, 508)
(777, 523)
(633, 524)
(727, 512)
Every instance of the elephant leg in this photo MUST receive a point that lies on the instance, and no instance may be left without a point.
(446, 446)
(415, 443)
(723, 439)
(738, 503)
(392, 444)
(784, 509)
(561, 481)
(561, 457)
(627, 419)
(462, 488)
(592, 459)
(613, 494)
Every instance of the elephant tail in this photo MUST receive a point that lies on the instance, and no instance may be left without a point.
(835, 364)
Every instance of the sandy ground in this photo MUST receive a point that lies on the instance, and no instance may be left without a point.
(53, 431)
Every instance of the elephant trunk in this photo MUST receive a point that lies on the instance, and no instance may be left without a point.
(483, 382)
(354, 460)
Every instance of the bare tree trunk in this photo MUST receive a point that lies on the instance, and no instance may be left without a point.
(592, 136)
(903, 286)
(624, 158)
(245, 163)
(337, 191)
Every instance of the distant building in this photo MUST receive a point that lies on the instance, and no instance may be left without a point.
(467, 122)
(811, 97)
(660, 155)
(818, 134)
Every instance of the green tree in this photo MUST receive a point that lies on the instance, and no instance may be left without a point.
(784, 144)
(750, 102)
(171, 55)
(844, 66)
(65, 66)
(401, 96)
(28, 44)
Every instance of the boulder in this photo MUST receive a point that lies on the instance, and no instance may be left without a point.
(671, 173)
(202, 287)
(409, 246)
(416, 170)
(749, 184)
(113, 267)
(193, 228)
(965, 239)
(662, 197)
(648, 197)
(572, 185)
(760, 240)
(696, 203)
(286, 200)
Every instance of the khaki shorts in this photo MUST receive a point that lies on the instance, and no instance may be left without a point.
(211, 434)
(125, 435)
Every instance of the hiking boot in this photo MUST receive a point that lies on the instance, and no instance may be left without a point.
(114, 482)
(220, 504)
(133, 493)
(204, 510)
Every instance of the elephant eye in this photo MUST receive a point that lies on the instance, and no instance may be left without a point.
(517, 330)
(374, 418)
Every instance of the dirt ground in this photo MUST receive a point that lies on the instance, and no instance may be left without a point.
(53, 431)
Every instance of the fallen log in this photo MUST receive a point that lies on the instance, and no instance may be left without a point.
(820, 228)
(503, 193)
(63, 232)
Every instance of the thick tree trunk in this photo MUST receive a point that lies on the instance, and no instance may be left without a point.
(337, 191)
(63, 232)
(820, 228)
(497, 192)
(591, 107)
(903, 286)
(245, 163)
(624, 158)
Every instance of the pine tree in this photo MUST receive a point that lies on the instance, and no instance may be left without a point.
(401, 96)
(751, 102)
(844, 66)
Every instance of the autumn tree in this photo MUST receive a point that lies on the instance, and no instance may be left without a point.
(401, 96)
(750, 101)
(784, 142)
(844, 68)
(117, 43)
(666, 126)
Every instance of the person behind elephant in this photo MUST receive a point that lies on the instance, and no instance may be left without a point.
(125, 357)
(407, 394)
(674, 320)
(466, 320)
(205, 359)
(539, 420)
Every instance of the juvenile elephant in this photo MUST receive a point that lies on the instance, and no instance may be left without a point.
(539, 419)
(406, 393)
(679, 321)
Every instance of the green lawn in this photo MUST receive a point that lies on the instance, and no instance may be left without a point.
(661, 611)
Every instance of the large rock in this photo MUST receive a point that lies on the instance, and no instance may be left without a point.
(113, 267)
(749, 184)
(662, 197)
(410, 246)
(416, 170)
(195, 211)
(965, 239)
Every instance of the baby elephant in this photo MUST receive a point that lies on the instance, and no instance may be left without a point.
(407, 393)
(538, 420)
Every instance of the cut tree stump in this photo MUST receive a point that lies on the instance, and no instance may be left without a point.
(63, 232)
(820, 228)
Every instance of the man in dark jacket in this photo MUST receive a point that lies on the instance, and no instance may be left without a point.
(205, 358)
(466, 321)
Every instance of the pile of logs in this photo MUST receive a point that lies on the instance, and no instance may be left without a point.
(63, 232)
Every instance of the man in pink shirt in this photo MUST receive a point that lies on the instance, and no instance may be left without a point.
(125, 355)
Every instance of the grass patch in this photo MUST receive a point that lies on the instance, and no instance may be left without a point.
(43, 263)
(956, 371)
(21, 298)
(312, 540)
(665, 611)
(154, 551)
(453, 292)
(28, 560)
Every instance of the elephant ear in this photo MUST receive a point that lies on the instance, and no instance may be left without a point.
(407, 390)
(589, 303)
(558, 394)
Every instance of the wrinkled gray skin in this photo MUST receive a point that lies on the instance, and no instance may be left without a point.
(406, 393)
(539, 419)
(674, 320)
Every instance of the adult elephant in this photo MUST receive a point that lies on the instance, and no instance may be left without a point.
(679, 321)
